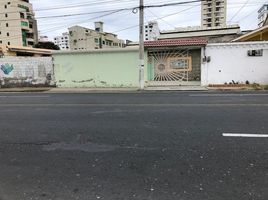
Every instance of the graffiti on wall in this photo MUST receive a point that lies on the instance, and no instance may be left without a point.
(7, 68)
(26, 72)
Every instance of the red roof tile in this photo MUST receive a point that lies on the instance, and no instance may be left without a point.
(175, 42)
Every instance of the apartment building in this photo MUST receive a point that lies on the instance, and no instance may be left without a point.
(213, 13)
(62, 41)
(262, 15)
(82, 38)
(152, 31)
(18, 26)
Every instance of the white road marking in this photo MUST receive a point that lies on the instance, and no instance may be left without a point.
(245, 135)
(226, 95)
(24, 96)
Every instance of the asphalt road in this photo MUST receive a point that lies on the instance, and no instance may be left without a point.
(136, 146)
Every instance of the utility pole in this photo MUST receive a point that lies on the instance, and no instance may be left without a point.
(141, 57)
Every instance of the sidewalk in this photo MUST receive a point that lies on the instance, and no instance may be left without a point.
(91, 90)
(118, 90)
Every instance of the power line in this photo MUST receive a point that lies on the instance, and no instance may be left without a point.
(242, 7)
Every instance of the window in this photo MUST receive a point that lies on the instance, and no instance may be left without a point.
(7, 34)
(24, 23)
(23, 7)
(5, 6)
(6, 24)
(8, 43)
(6, 15)
(96, 40)
(22, 16)
(30, 43)
(1, 42)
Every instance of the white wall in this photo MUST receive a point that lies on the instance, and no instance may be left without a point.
(26, 71)
(229, 61)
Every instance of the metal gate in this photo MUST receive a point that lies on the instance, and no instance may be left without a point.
(170, 65)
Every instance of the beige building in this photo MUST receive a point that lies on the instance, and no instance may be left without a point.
(81, 38)
(18, 26)
(212, 35)
(213, 13)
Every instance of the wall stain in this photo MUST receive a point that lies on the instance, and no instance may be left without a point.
(83, 81)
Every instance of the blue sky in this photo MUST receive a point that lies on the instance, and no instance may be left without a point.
(243, 12)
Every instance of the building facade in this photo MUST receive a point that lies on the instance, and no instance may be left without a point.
(18, 25)
(82, 38)
(213, 13)
(212, 35)
(262, 15)
(62, 41)
(152, 31)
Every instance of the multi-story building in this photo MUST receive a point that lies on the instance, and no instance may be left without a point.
(152, 31)
(213, 13)
(62, 41)
(18, 26)
(82, 38)
(262, 14)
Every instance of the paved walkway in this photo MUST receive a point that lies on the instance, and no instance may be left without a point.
(117, 90)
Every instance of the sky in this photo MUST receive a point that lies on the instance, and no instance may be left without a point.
(125, 23)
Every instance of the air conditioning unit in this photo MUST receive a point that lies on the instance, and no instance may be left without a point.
(258, 52)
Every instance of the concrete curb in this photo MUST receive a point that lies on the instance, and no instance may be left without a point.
(29, 90)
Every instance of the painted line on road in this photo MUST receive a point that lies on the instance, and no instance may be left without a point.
(129, 105)
(24, 96)
(245, 135)
(226, 95)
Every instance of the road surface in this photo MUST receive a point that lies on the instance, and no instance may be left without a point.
(134, 146)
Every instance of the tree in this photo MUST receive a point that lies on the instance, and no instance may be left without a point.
(46, 45)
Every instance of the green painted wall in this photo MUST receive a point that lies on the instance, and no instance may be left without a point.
(99, 68)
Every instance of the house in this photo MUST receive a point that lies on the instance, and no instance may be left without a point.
(174, 62)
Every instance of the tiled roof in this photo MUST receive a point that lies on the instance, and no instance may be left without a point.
(175, 42)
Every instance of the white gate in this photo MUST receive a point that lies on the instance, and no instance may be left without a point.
(170, 65)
